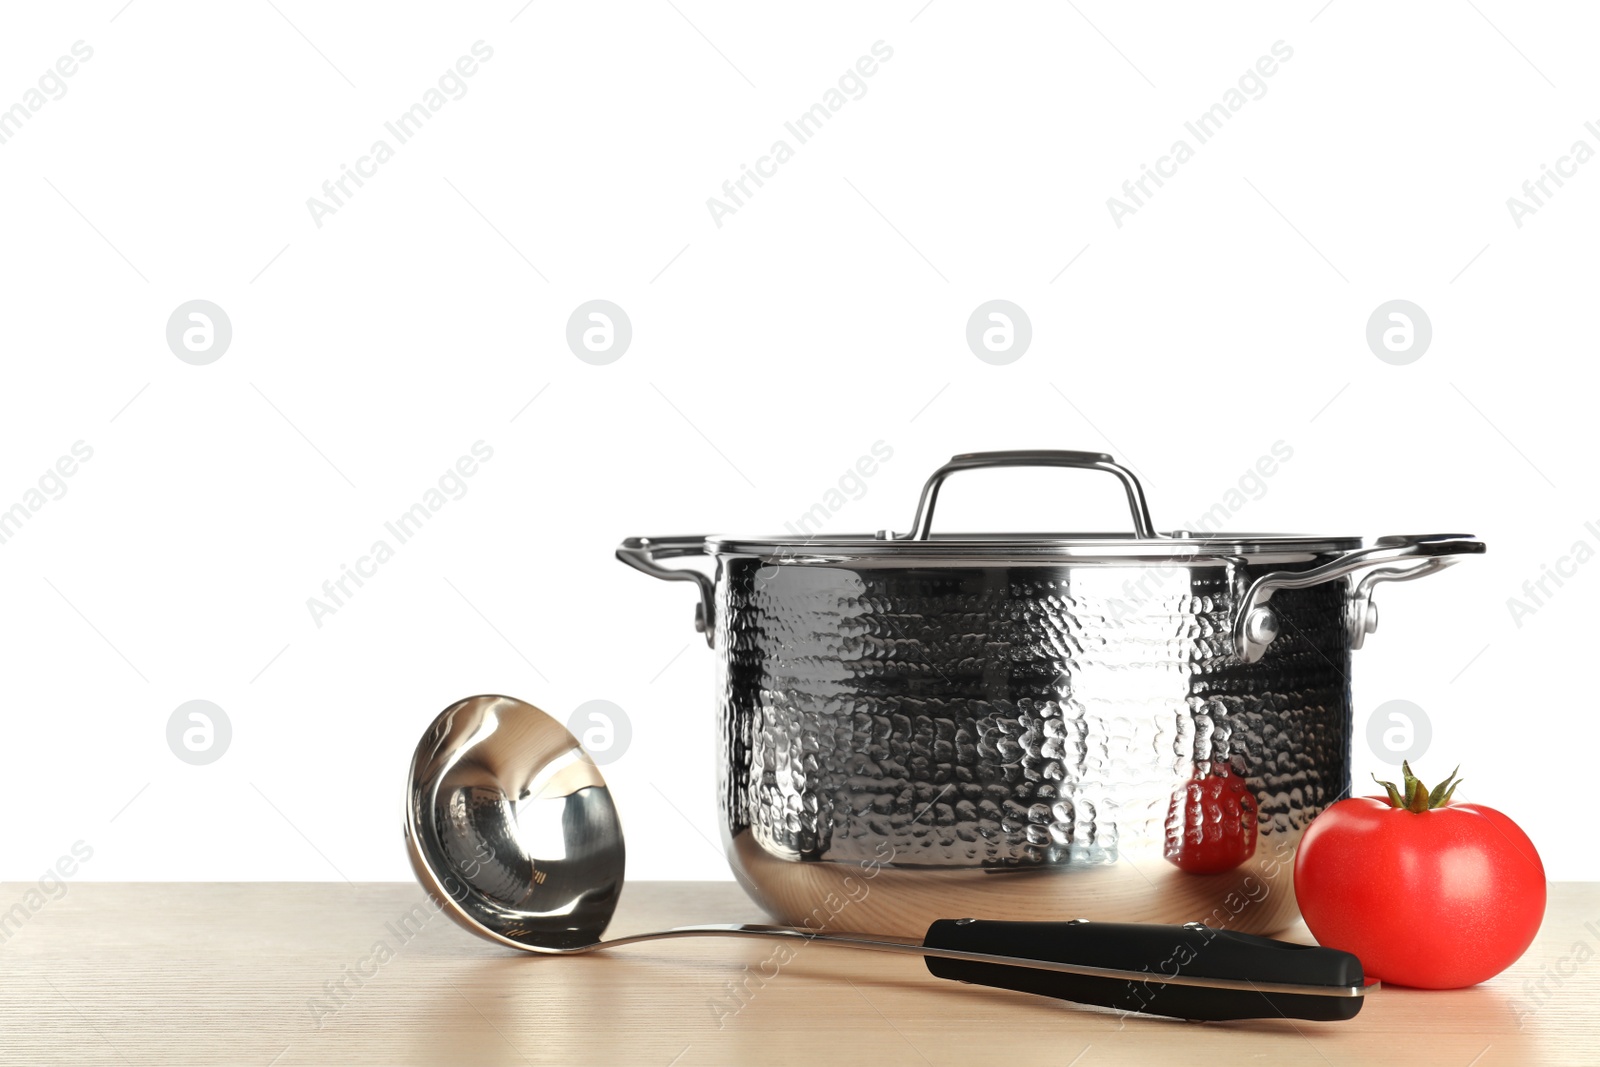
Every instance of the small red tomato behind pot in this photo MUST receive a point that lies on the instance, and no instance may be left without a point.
(1428, 893)
(1211, 823)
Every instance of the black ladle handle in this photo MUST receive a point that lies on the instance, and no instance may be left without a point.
(1194, 951)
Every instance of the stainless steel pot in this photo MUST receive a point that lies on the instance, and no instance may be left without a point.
(1133, 727)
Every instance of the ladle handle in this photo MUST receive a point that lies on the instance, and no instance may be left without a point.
(1195, 950)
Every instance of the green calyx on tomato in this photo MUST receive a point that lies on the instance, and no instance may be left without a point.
(1417, 796)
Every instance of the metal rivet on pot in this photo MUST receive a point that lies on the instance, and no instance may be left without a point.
(1261, 627)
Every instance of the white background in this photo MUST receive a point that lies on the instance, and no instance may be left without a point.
(768, 354)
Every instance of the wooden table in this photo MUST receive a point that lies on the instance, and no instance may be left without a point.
(294, 973)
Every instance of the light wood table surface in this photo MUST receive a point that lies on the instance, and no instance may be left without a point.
(241, 974)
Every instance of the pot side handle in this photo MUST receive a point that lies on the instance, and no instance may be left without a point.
(1390, 559)
(641, 553)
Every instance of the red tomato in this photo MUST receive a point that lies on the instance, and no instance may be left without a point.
(1437, 897)
(1211, 823)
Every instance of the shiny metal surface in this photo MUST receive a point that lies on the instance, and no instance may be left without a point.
(998, 547)
(1421, 555)
(1016, 742)
(921, 525)
(1027, 726)
(511, 829)
(641, 553)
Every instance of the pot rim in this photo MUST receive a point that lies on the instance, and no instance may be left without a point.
(1298, 561)
(1179, 546)
(1143, 543)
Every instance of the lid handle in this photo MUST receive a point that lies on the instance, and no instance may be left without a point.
(1041, 457)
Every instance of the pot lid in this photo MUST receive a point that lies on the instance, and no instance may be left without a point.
(1000, 546)
(921, 542)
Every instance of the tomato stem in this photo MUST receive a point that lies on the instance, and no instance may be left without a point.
(1416, 797)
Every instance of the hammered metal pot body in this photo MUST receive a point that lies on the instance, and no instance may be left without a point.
(901, 742)
(1124, 727)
